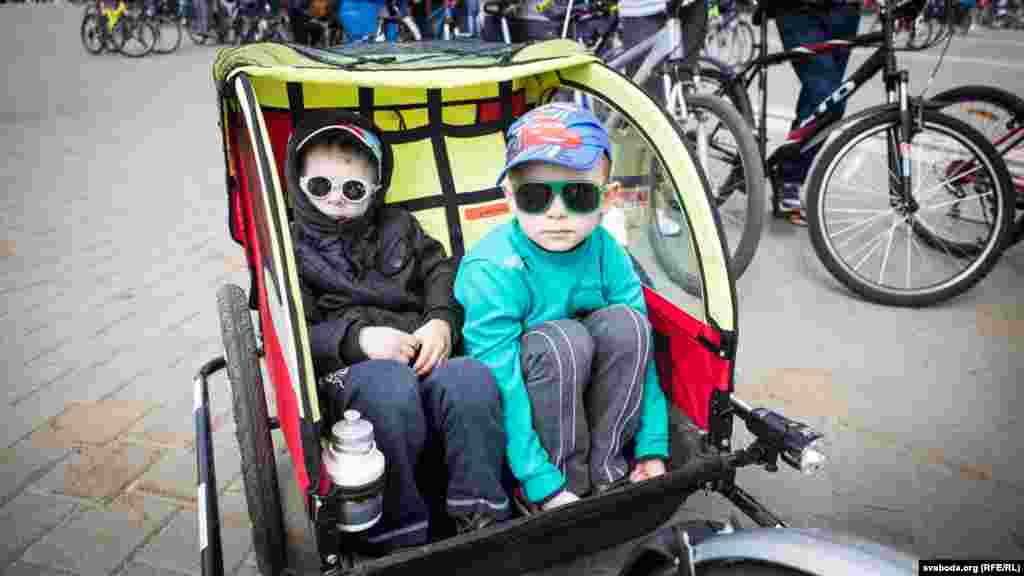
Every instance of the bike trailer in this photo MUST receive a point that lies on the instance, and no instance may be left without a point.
(445, 108)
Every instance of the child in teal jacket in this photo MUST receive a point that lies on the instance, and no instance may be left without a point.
(554, 307)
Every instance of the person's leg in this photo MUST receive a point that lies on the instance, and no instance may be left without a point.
(463, 411)
(387, 394)
(622, 350)
(821, 77)
(555, 358)
(817, 82)
(845, 24)
(472, 9)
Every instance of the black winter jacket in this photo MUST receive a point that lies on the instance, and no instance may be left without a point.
(379, 270)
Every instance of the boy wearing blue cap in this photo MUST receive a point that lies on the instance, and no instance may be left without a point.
(555, 308)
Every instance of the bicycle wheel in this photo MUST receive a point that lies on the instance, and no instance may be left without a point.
(745, 38)
(139, 36)
(91, 33)
(979, 186)
(726, 150)
(168, 34)
(998, 115)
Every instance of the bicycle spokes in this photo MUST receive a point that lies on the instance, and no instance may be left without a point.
(909, 216)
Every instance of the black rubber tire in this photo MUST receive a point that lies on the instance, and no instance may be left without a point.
(746, 30)
(669, 263)
(1010, 103)
(751, 174)
(667, 567)
(716, 82)
(92, 34)
(745, 568)
(929, 295)
(252, 429)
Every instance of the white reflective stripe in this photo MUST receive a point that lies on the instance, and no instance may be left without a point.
(623, 418)
(572, 355)
(201, 504)
(389, 535)
(560, 379)
(198, 387)
(489, 504)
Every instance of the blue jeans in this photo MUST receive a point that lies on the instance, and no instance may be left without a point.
(472, 9)
(819, 75)
(442, 440)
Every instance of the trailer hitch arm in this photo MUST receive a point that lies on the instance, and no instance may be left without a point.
(210, 549)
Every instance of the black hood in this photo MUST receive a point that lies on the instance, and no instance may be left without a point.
(309, 219)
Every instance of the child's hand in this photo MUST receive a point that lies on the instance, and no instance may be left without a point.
(646, 470)
(383, 343)
(435, 342)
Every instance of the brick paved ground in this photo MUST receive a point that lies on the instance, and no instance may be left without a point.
(113, 243)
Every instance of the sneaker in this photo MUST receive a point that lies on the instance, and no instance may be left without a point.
(790, 207)
(466, 523)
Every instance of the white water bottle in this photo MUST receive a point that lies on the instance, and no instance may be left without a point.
(356, 467)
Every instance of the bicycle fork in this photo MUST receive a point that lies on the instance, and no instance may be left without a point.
(900, 149)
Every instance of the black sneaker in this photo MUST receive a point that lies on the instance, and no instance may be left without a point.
(465, 523)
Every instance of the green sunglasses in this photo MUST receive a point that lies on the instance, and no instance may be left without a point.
(578, 197)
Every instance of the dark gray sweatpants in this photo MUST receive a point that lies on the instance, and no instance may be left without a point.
(585, 381)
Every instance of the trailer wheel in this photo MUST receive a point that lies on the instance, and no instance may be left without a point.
(746, 568)
(252, 429)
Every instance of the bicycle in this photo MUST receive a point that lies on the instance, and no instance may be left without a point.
(98, 30)
(167, 24)
(898, 126)
(722, 141)
(730, 38)
(116, 28)
(999, 115)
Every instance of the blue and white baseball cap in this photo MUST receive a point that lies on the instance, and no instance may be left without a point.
(558, 133)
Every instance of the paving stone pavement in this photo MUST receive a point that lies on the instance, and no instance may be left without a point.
(113, 242)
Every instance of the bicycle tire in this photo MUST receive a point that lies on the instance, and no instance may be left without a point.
(1007, 102)
(91, 33)
(717, 82)
(170, 28)
(746, 176)
(139, 36)
(939, 291)
(746, 29)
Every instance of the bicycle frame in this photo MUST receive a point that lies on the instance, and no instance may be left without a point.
(814, 129)
(666, 45)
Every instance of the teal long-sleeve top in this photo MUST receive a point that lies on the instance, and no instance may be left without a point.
(507, 284)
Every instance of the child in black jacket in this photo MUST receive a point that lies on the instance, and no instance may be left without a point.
(377, 294)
